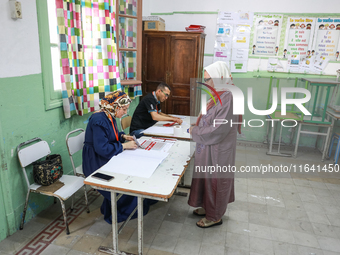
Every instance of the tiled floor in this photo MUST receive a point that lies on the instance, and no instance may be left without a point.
(281, 213)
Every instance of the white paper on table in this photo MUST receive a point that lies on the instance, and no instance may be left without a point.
(159, 130)
(178, 116)
(144, 163)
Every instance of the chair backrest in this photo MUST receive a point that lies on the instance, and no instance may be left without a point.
(30, 151)
(74, 144)
(126, 122)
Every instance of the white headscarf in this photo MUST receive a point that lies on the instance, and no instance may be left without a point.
(219, 71)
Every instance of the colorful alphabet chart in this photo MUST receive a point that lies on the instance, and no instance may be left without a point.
(327, 36)
(299, 36)
(267, 34)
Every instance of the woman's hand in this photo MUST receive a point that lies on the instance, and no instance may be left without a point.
(128, 137)
(129, 145)
(190, 129)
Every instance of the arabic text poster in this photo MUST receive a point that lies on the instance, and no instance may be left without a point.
(299, 36)
(267, 34)
(327, 36)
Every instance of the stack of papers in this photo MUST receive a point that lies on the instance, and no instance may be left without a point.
(141, 163)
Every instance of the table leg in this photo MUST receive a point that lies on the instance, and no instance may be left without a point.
(115, 249)
(297, 139)
(140, 225)
(329, 139)
(271, 137)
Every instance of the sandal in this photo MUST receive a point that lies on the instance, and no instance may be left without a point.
(209, 223)
(199, 212)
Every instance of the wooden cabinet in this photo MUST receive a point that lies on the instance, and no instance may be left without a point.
(173, 58)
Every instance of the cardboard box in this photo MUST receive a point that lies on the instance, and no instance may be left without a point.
(153, 18)
(154, 25)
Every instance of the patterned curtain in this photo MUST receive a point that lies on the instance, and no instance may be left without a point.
(89, 66)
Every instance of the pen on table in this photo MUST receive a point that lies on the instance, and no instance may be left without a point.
(176, 175)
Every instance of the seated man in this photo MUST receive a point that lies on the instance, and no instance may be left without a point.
(148, 111)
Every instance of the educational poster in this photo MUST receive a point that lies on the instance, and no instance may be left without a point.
(241, 37)
(235, 17)
(274, 64)
(225, 30)
(224, 42)
(320, 64)
(222, 55)
(293, 63)
(239, 54)
(238, 66)
(232, 39)
(327, 36)
(299, 36)
(267, 34)
(307, 65)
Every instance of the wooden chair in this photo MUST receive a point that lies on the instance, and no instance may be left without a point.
(33, 150)
(126, 122)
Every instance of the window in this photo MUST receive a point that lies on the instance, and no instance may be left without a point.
(129, 43)
(50, 53)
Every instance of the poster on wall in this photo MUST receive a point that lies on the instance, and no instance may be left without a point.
(267, 34)
(235, 17)
(299, 36)
(232, 39)
(327, 38)
(293, 63)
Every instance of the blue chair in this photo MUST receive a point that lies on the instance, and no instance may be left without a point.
(335, 136)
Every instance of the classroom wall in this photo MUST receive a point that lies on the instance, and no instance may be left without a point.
(23, 115)
(22, 110)
(179, 14)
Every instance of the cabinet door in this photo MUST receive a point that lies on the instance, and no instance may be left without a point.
(183, 66)
(155, 61)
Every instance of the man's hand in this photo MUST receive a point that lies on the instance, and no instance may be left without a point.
(178, 120)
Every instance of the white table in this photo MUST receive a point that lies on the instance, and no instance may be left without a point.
(160, 186)
(187, 120)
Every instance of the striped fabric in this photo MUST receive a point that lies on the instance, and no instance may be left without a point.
(88, 53)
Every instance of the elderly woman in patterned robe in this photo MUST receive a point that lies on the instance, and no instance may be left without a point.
(212, 186)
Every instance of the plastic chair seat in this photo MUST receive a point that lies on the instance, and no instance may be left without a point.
(71, 185)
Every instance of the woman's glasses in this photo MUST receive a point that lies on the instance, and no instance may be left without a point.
(124, 101)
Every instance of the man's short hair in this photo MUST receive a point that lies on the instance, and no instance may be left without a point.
(162, 86)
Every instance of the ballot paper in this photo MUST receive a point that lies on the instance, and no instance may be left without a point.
(157, 144)
(139, 162)
(159, 130)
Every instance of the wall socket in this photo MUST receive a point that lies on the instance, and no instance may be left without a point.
(16, 12)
